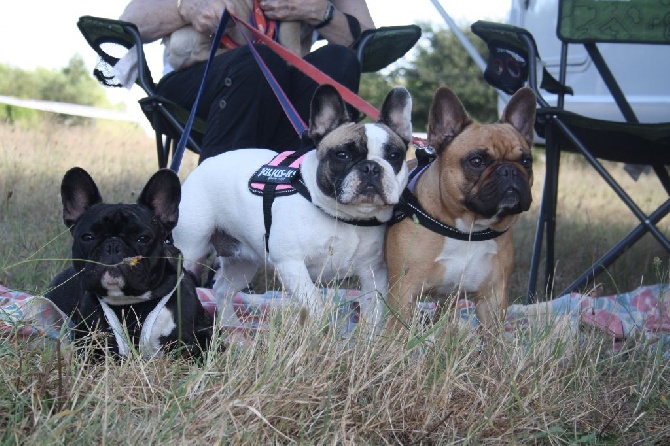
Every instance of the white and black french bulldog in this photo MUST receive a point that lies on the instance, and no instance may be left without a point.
(126, 275)
(334, 228)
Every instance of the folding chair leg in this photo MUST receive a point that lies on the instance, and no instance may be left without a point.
(162, 147)
(644, 219)
(166, 144)
(553, 167)
(537, 250)
(647, 223)
(162, 150)
(663, 176)
(618, 250)
(546, 222)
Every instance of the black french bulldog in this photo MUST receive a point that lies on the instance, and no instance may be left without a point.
(126, 274)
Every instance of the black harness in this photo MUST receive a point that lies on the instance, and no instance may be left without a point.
(281, 177)
(409, 205)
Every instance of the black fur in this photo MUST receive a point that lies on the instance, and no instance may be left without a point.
(128, 245)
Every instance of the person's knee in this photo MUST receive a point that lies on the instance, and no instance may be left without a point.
(340, 63)
(343, 54)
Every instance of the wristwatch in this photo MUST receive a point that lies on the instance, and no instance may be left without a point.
(327, 17)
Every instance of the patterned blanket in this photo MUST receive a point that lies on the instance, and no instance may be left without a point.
(642, 312)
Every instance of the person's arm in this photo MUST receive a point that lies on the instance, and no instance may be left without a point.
(158, 18)
(338, 30)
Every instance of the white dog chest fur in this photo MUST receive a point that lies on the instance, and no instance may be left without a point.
(463, 263)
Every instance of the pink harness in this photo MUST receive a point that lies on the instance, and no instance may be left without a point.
(279, 173)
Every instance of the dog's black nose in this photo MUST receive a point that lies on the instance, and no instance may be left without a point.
(506, 170)
(369, 169)
(112, 247)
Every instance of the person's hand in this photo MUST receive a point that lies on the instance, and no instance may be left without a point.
(204, 15)
(310, 11)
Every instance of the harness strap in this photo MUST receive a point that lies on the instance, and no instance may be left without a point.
(291, 159)
(268, 199)
(146, 349)
(409, 205)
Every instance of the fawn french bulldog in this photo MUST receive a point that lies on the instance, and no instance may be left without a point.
(465, 201)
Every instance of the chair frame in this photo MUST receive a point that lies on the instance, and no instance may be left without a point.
(100, 31)
(552, 120)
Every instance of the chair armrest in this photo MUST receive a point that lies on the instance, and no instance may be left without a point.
(111, 40)
(378, 48)
(508, 43)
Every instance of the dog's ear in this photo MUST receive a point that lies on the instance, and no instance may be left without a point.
(78, 193)
(446, 119)
(396, 113)
(327, 112)
(162, 194)
(520, 113)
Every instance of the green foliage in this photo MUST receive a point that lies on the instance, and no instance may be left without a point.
(437, 60)
(72, 84)
(446, 63)
(374, 87)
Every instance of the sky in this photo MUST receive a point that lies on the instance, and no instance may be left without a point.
(44, 32)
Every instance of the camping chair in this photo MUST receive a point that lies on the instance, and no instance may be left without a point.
(111, 39)
(585, 22)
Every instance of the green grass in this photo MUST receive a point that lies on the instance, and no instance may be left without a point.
(297, 384)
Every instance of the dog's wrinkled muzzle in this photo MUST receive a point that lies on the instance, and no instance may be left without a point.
(371, 174)
(515, 195)
(112, 249)
(506, 193)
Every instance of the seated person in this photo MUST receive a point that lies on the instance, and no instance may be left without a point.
(239, 105)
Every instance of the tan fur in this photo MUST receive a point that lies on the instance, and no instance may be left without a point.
(413, 251)
(187, 46)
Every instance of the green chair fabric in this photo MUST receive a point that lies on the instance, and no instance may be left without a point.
(378, 48)
(634, 21)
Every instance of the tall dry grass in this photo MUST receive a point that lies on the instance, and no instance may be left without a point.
(120, 158)
(303, 384)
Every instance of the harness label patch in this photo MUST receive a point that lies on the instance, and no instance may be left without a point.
(274, 174)
(280, 173)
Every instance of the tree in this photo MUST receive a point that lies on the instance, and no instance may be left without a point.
(374, 87)
(72, 84)
(437, 60)
(446, 63)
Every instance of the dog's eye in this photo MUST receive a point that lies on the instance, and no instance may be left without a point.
(86, 237)
(143, 239)
(477, 161)
(342, 155)
(527, 161)
(394, 156)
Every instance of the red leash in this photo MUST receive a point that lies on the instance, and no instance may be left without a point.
(310, 70)
(317, 75)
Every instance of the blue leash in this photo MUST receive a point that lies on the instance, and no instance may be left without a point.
(290, 111)
(181, 145)
(286, 104)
